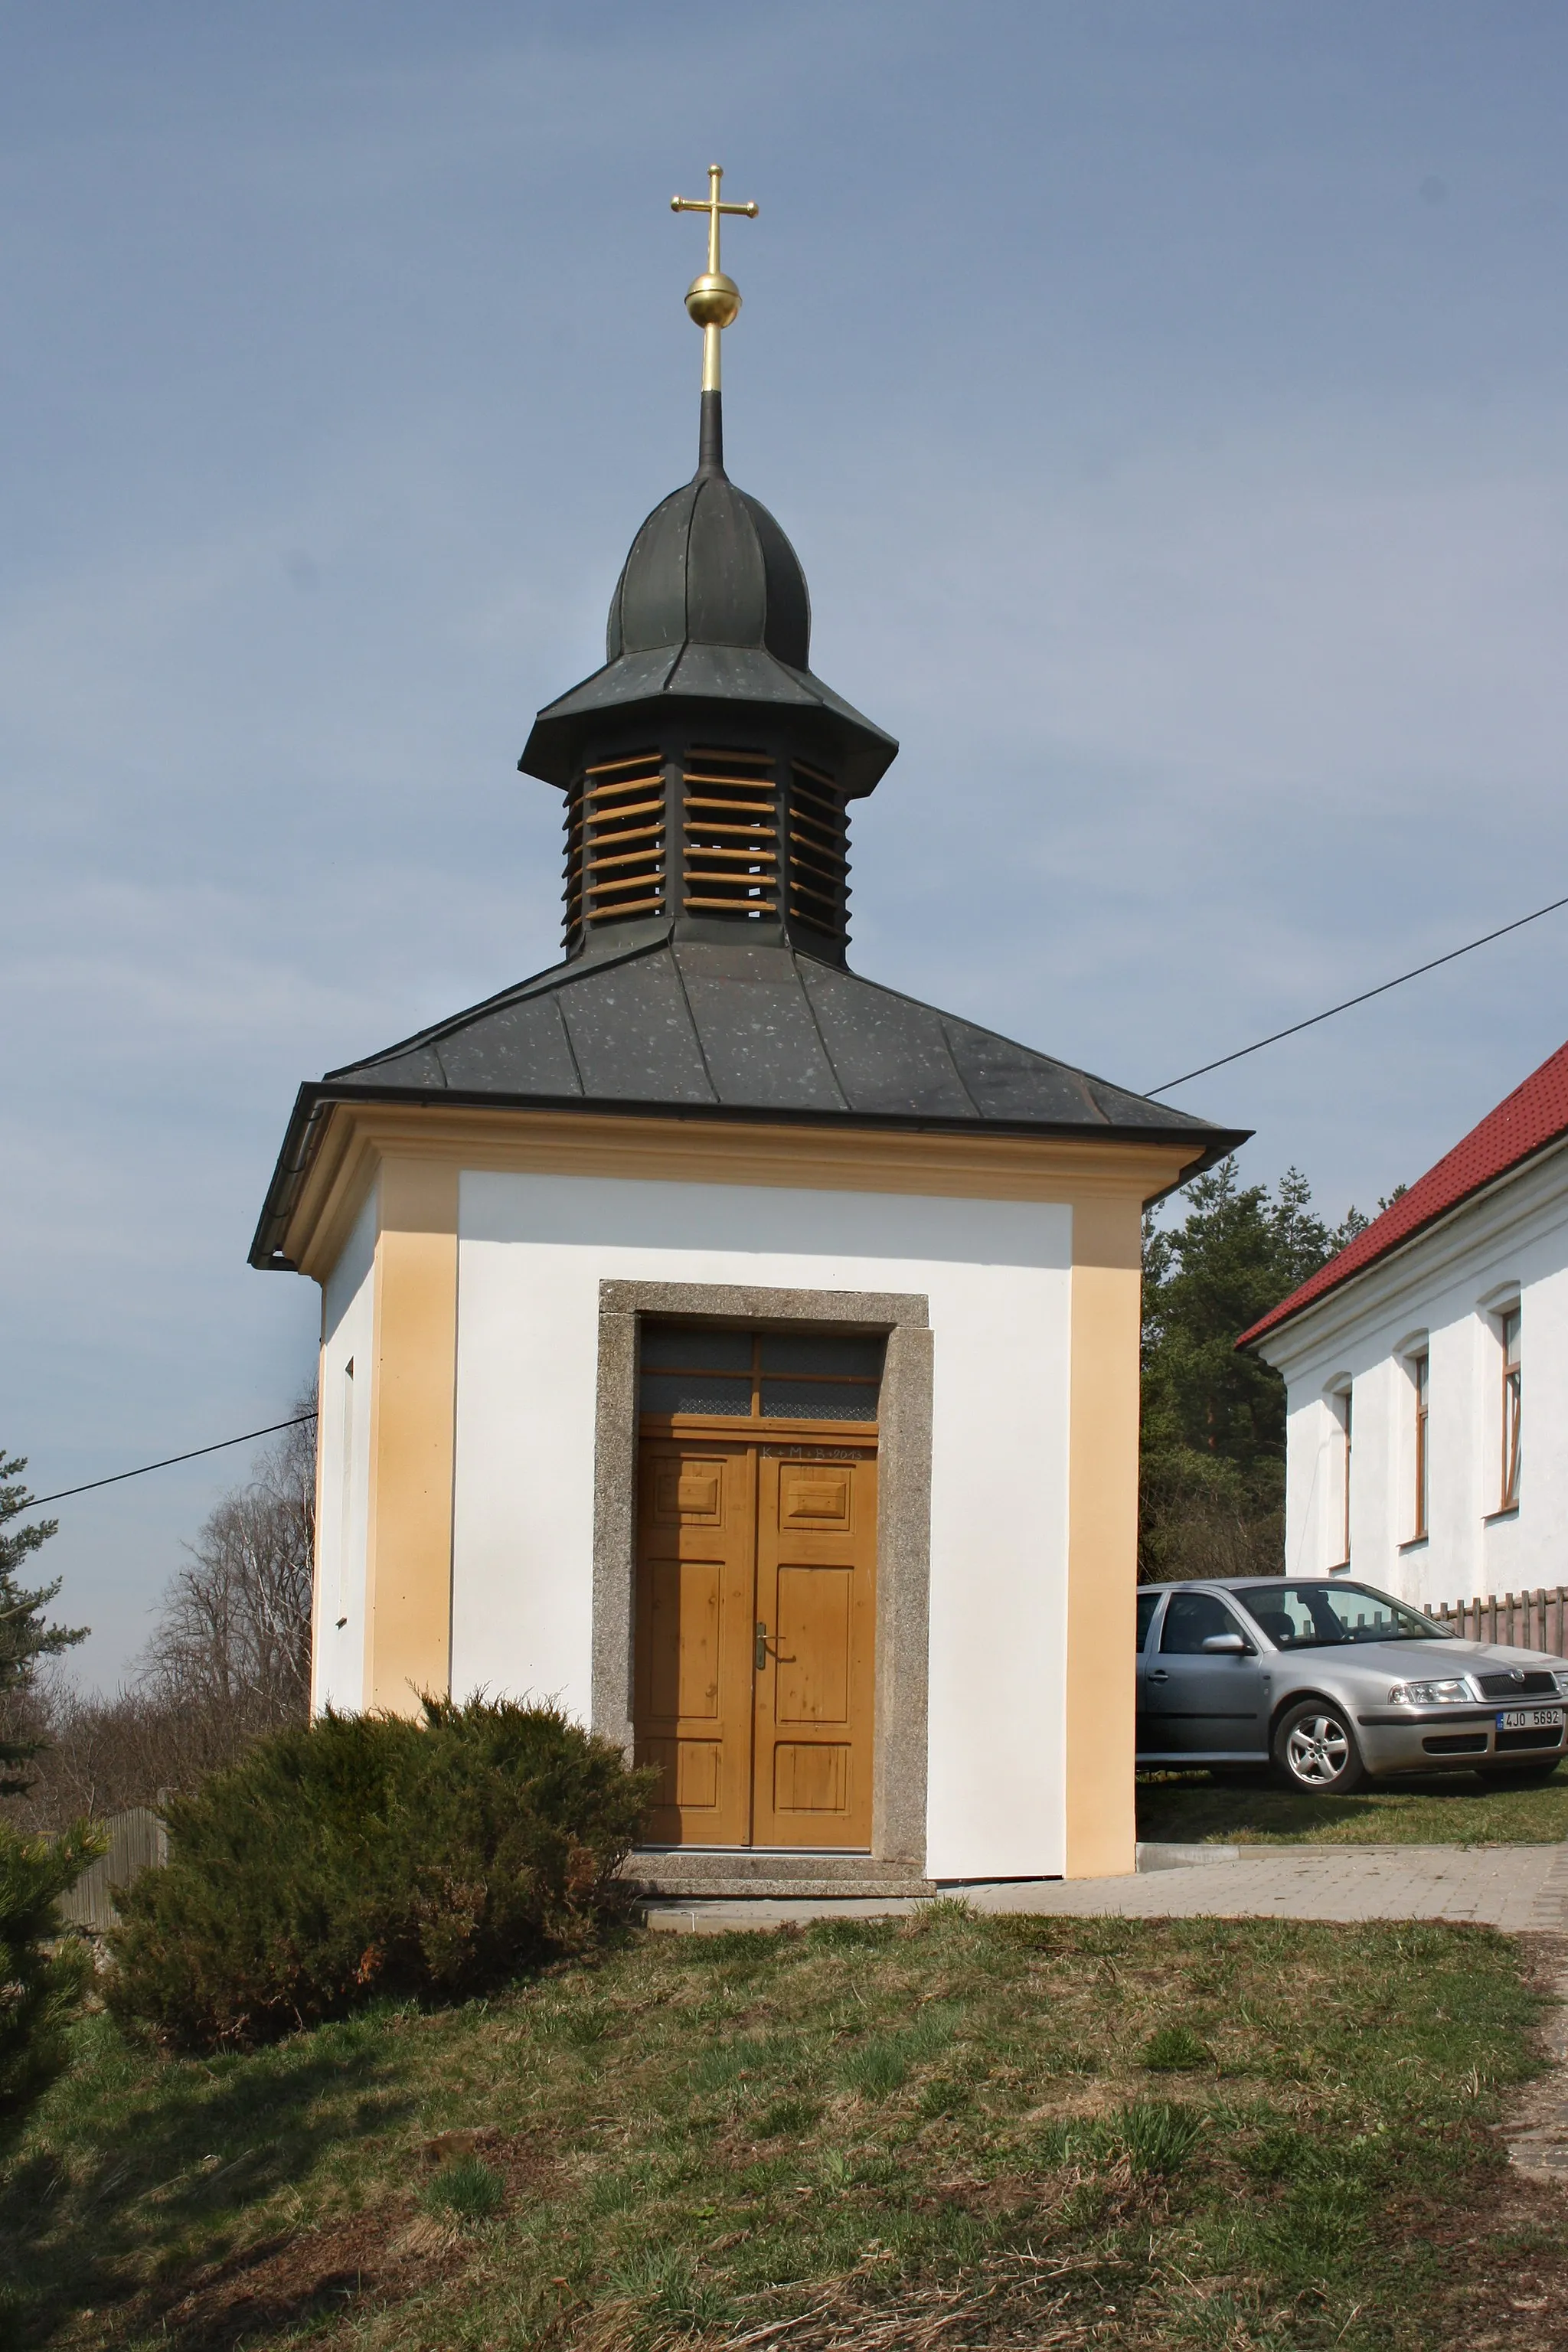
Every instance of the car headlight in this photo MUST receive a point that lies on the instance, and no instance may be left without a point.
(1454, 1693)
(1561, 1683)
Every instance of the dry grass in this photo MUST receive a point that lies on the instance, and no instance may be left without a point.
(947, 2132)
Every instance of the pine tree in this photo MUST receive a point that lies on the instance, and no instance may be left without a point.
(24, 1636)
(1213, 1467)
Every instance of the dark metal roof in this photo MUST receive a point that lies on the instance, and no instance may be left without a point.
(745, 1032)
(710, 610)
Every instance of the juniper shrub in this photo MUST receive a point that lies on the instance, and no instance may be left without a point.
(367, 1856)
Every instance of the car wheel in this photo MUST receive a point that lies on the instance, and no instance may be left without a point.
(1315, 1750)
(1528, 1773)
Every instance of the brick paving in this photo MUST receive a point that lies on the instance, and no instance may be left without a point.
(1515, 1888)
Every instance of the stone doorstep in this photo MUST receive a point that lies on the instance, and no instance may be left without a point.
(670, 1916)
(762, 1892)
(660, 1871)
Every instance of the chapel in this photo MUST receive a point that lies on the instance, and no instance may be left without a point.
(740, 1354)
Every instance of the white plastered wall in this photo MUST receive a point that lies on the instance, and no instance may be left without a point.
(342, 1439)
(531, 1254)
(1441, 1293)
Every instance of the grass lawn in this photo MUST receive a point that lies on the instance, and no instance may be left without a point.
(945, 2132)
(1446, 1809)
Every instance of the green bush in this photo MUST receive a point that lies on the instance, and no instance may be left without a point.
(368, 1856)
(41, 1981)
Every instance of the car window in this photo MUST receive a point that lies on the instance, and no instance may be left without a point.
(1316, 1616)
(1191, 1619)
(1147, 1604)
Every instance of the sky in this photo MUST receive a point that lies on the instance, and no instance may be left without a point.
(1167, 403)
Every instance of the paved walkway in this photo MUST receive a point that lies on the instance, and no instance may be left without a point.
(1513, 1887)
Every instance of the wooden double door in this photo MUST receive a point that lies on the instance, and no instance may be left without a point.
(755, 1641)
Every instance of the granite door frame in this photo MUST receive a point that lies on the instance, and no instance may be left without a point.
(903, 1521)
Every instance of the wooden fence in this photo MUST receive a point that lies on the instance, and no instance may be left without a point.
(1520, 1620)
(137, 1841)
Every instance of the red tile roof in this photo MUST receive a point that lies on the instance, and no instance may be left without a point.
(1533, 1116)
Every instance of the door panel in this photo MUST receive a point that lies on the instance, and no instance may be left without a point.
(1193, 1705)
(816, 1609)
(686, 1612)
(811, 1779)
(696, 1571)
(814, 1649)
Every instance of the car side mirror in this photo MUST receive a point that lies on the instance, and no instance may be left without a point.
(1228, 1645)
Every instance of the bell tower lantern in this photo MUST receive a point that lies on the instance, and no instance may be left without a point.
(708, 772)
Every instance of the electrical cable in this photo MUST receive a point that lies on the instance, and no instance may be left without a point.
(37, 1502)
(1381, 990)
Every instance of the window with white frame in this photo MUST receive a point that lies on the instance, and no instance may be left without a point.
(1420, 1363)
(1507, 1324)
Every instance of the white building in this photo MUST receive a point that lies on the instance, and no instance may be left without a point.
(740, 1354)
(1427, 1373)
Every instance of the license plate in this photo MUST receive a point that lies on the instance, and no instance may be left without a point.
(1530, 1719)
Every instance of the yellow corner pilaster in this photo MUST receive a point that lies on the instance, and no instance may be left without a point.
(408, 1596)
(1102, 1535)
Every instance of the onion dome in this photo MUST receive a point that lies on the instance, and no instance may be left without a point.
(712, 566)
(710, 620)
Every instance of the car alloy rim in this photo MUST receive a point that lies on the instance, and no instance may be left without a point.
(1318, 1750)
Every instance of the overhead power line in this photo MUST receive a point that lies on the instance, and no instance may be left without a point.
(1381, 990)
(37, 1502)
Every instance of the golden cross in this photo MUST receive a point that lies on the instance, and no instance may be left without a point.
(712, 300)
(710, 205)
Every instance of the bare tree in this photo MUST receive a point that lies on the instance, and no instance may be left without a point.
(231, 1650)
(227, 1661)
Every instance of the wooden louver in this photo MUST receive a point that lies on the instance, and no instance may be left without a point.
(615, 843)
(818, 846)
(747, 850)
(729, 822)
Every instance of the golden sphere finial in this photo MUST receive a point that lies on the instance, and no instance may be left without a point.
(714, 300)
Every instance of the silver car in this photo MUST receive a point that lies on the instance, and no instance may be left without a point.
(1334, 1683)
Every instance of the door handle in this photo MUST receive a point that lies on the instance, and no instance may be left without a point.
(1159, 1674)
(761, 1646)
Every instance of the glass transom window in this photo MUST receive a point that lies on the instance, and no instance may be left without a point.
(800, 1375)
